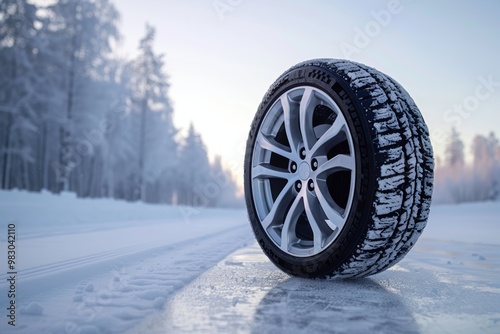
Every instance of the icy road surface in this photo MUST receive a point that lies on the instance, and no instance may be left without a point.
(424, 294)
(449, 283)
(102, 266)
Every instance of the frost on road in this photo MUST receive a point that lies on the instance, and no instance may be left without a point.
(112, 267)
(442, 287)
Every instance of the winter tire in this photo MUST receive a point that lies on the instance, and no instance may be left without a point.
(338, 171)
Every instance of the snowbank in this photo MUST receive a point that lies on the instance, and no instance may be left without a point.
(46, 213)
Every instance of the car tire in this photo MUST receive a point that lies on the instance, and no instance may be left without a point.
(338, 171)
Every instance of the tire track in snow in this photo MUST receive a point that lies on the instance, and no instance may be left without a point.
(112, 291)
(94, 263)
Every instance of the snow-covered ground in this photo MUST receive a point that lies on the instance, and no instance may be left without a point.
(100, 266)
(104, 266)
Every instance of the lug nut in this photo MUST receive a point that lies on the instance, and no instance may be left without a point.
(311, 185)
(303, 153)
(293, 167)
(298, 185)
(314, 164)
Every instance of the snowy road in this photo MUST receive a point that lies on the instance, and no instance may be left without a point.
(102, 266)
(152, 269)
(449, 283)
(423, 294)
(112, 290)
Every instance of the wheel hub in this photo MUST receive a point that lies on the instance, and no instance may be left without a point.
(304, 171)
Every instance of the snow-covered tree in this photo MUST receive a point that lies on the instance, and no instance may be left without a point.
(193, 167)
(485, 167)
(483, 151)
(458, 182)
(496, 169)
(119, 147)
(456, 168)
(223, 185)
(454, 155)
(83, 32)
(152, 111)
(19, 48)
(74, 118)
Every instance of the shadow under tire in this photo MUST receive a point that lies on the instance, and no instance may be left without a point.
(338, 171)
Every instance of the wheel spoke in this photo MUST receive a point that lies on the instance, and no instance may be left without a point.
(338, 162)
(279, 206)
(267, 171)
(291, 124)
(270, 144)
(335, 218)
(288, 236)
(312, 207)
(306, 114)
(328, 137)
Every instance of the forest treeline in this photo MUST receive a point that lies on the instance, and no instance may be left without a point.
(459, 180)
(75, 117)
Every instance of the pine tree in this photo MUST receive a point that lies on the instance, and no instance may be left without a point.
(494, 151)
(193, 168)
(152, 111)
(223, 185)
(456, 169)
(119, 145)
(74, 118)
(454, 156)
(19, 48)
(482, 168)
(83, 32)
(485, 167)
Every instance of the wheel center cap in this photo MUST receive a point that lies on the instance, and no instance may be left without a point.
(304, 171)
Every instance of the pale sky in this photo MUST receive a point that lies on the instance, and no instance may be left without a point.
(221, 62)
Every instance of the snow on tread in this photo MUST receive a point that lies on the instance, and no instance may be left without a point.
(389, 107)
